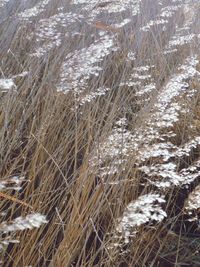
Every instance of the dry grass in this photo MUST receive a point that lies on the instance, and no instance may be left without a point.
(50, 139)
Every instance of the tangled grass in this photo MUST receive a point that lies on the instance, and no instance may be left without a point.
(99, 133)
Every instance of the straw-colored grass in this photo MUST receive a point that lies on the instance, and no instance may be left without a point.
(59, 141)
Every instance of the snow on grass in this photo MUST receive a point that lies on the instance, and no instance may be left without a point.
(91, 96)
(147, 208)
(139, 77)
(6, 84)
(122, 23)
(116, 149)
(22, 223)
(163, 18)
(183, 34)
(34, 11)
(3, 3)
(193, 200)
(13, 183)
(151, 23)
(81, 65)
(96, 6)
(112, 154)
(165, 113)
(166, 175)
(51, 32)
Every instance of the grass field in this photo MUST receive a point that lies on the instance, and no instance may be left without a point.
(99, 133)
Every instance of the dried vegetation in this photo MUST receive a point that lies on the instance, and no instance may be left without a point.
(99, 133)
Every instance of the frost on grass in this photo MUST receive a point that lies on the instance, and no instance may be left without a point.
(139, 77)
(158, 150)
(6, 241)
(22, 223)
(178, 83)
(91, 96)
(193, 201)
(166, 110)
(168, 11)
(181, 40)
(6, 84)
(157, 158)
(80, 65)
(183, 35)
(12, 183)
(3, 3)
(151, 23)
(122, 23)
(116, 149)
(142, 82)
(165, 114)
(166, 175)
(147, 89)
(34, 11)
(186, 149)
(50, 32)
(30, 222)
(97, 7)
(111, 154)
(147, 208)
(162, 19)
